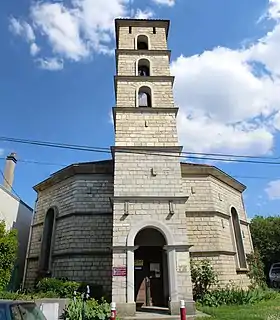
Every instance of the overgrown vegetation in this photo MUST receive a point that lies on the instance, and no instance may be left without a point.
(91, 310)
(231, 295)
(58, 287)
(27, 296)
(64, 288)
(208, 292)
(256, 270)
(265, 233)
(8, 254)
(203, 278)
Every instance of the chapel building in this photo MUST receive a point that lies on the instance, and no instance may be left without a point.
(131, 224)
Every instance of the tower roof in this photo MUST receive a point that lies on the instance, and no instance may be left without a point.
(123, 22)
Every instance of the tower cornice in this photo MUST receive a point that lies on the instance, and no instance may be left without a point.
(143, 52)
(150, 149)
(147, 53)
(142, 79)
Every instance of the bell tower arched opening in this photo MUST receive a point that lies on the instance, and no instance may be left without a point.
(150, 269)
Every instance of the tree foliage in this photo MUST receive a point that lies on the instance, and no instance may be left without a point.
(8, 254)
(265, 233)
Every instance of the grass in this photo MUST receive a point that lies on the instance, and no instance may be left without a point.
(266, 310)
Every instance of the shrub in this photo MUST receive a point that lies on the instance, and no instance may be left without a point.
(91, 309)
(96, 291)
(256, 270)
(203, 277)
(8, 295)
(61, 288)
(8, 254)
(235, 296)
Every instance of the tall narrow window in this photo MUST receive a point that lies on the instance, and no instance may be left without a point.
(142, 42)
(154, 30)
(144, 97)
(47, 241)
(238, 239)
(129, 29)
(144, 68)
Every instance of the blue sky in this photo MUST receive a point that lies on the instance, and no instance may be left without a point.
(56, 83)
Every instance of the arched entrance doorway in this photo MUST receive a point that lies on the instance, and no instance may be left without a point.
(151, 285)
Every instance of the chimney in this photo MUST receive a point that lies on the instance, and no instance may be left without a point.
(9, 171)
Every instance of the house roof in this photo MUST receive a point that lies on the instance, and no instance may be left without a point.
(107, 167)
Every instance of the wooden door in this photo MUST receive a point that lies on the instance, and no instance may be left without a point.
(148, 277)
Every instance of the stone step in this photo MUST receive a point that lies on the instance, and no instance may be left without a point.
(161, 316)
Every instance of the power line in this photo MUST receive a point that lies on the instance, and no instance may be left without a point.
(2, 174)
(39, 162)
(189, 155)
(89, 148)
(65, 165)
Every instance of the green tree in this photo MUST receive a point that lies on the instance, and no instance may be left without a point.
(265, 233)
(8, 254)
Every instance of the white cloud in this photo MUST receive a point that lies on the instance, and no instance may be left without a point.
(22, 28)
(51, 64)
(169, 3)
(273, 190)
(61, 27)
(274, 9)
(34, 49)
(76, 30)
(229, 99)
(146, 14)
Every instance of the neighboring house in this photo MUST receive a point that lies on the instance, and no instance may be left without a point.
(132, 223)
(17, 215)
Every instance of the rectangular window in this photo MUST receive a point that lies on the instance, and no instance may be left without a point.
(129, 29)
(154, 30)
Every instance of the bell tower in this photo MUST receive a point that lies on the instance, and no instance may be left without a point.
(148, 196)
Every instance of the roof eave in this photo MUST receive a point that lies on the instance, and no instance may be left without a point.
(218, 174)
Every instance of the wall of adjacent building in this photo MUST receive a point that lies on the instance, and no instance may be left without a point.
(17, 215)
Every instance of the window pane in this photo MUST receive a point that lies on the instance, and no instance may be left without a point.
(31, 312)
(15, 313)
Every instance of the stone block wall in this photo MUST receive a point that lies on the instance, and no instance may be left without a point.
(225, 267)
(162, 96)
(128, 63)
(226, 197)
(133, 175)
(210, 230)
(146, 129)
(82, 239)
(157, 41)
(93, 269)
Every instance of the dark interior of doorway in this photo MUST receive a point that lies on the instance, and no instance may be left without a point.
(150, 270)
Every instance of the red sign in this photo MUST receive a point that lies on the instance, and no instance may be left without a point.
(119, 271)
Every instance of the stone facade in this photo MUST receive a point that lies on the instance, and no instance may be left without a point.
(83, 227)
(100, 209)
